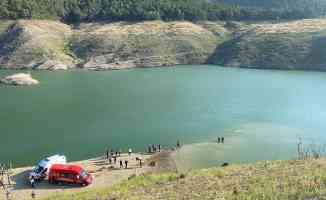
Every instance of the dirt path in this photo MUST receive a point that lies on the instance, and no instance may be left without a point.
(103, 173)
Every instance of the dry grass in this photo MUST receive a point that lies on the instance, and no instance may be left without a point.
(150, 27)
(143, 44)
(286, 180)
(32, 42)
(301, 26)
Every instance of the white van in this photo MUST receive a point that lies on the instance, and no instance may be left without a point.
(41, 170)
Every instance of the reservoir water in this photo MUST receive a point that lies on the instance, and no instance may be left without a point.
(261, 113)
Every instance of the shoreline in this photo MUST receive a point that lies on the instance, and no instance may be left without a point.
(77, 69)
(104, 174)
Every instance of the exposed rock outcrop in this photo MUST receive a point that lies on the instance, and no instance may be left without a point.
(19, 80)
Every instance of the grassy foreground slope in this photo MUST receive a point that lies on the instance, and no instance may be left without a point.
(286, 180)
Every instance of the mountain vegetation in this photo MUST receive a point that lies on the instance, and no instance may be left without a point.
(306, 8)
(76, 11)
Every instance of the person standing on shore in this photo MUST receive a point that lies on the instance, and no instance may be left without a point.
(222, 139)
(159, 148)
(2, 185)
(8, 195)
(140, 159)
(178, 144)
(121, 164)
(107, 154)
(149, 149)
(126, 164)
(32, 181)
(115, 159)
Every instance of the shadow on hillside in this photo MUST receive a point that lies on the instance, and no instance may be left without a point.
(225, 52)
(316, 58)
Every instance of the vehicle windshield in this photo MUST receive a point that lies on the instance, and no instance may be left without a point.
(38, 169)
(84, 174)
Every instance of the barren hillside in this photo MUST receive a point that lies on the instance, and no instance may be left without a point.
(40, 44)
(290, 45)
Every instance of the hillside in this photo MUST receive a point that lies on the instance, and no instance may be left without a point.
(41, 44)
(52, 45)
(290, 45)
(148, 44)
(286, 180)
(35, 44)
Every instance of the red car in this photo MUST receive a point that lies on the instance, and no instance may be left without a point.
(70, 174)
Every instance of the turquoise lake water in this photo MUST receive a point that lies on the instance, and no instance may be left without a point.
(261, 113)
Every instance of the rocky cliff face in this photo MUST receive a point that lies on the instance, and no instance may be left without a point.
(39, 44)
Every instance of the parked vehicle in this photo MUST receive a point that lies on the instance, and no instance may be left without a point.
(69, 174)
(41, 170)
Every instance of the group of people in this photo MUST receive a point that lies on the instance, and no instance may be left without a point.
(112, 157)
(154, 148)
(220, 140)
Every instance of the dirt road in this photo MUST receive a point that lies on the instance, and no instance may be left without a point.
(104, 175)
